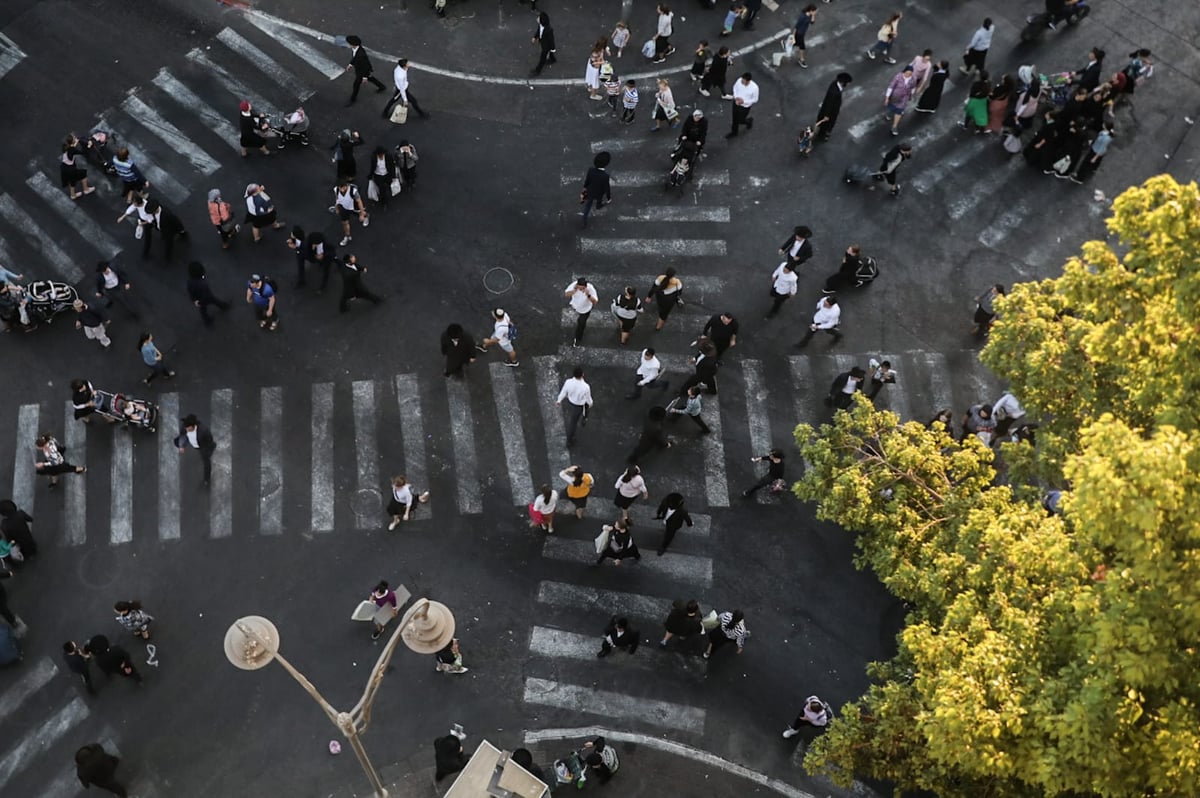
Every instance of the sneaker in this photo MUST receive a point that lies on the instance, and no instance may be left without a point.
(459, 669)
(662, 643)
(889, 60)
(1047, 171)
(346, 240)
(726, 96)
(706, 92)
(480, 348)
(964, 70)
(512, 364)
(789, 732)
(375, 635)
(1060, 177)
(333, 209)
(963, 125)
(424, 497)
(895, 132)
(804, 65)
(670, 51)
(705, 655)
(871, 54)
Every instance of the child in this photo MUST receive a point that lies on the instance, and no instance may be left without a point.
(629, 100)
(700, 60)
(805, 140)
(612, 87)
(736, 10)
(620, 37)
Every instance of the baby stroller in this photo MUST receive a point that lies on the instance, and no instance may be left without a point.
(1056, 89)
(570, 770)
(100, 146)
(293, 130)
(852, 275)
(126, 409)
(47, 298)
(683, 160)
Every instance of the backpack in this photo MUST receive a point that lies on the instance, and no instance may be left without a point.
(269, 280)
(512, 331)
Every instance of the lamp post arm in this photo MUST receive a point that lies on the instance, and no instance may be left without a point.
(361, 712)
(308, 687)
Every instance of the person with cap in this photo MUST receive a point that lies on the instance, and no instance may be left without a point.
(253, 126)
(831, 106)
(363, 71)
(745, 95)
(92, 322)
(543, 36)
(798, 247)
(582, 297)
(896, 98)
(195, 435)
(260, 210)
(597, 187)
(826, 319)
(503, 334)
(261, 294)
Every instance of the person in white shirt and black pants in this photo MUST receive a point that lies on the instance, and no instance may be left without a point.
(783, 287)
(745, 95)
(192, 434)
(826, 320)
(402, 95)
(579, 399)
(582, 296)
(649, 367)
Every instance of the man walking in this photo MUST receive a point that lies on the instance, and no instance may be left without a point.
(582, 297)
(797, 248)
(891, 166)
(352, 284)
(692, 409)
(78, 664)
(745, 95)
(845, 385)
(774, 461)
(673, 514)
(111, 660)
(706, 364)
(831, 106)
(201, 293)
(976, 53)
(113, 285)
(544, 38)
(807, 17)
(402, 95)
(363, 71)
(826, 319)
(503, 335)
(649, 367)
(721, 331)
(92, 322)
(261, 294)
(597, 187)
(312, 248)
(579, 400)
(95, 766)
(195, 435)
(783, 287)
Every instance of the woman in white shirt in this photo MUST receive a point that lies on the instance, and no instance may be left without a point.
(664, 106)
(402, 501)
(544, 504)
(662, 41)
(629, 486)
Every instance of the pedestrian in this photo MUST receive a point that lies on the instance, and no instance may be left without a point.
(543, 37)
(629, 487)
(310, 249)
(260, 210)
(617, 634)
(798, 247)
(682, 622)
(1006, 411)
(403, 499)
(582, 297)
(522, 756)
(664, 106)
(662, 39)
(111, 660)
(132, 179)
(51, 461)
(721, 330)
(985, 309)
(831, 106)
(382, 175)
(736, 11)
(625, 308)
(691, 409)
(353, 286)
(260, 292)
(922, 67)
(83, 400)
(406, 160)
(745, 95)
(112, 284)
(816, 713)
(975, 111)
(79, 665)
(672, 511)
(667, 292)
(348, 203)
(18, 626)
(14, 308)
(503, 335)
(695, 130)
(448, 755)
(620, 545)
(843, 388)
(8, 278)
(596, 60)
(449, 659)
(168, 225)
(220, 213)
(976, 53)
(731, 626)
(752, 9)
(73, 176)
(145, 222)
(807, 17)
(1095, 154)
(597, 186)
(648, 370)
(403, 94)
(579, 401)
(542, 509)
(783, 287)
(978, 421)
(629, 101)
(612, 89)
(579, 487)
(95, 766)
(1089, 76)
(386, 607)
(896, 98)
(253, 127)
(717, 74)
(774, 476)
(882, 374)
(619, 38)
(363, 71)
(600, 757)
(344, 162)
(15, 526)
(92, 321)
(457, 349)
(826, 319)
(1028, 100)
(133, 618)
(850, 274)
(943, 417)
(705, 375)
(653, 435)
(931, 97)
(700, 58)
(997, 106)
(152, 357)
(885, 38)
(195, 435)
(890, 166)
(201, 293)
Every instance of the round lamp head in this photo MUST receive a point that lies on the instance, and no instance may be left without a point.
(251, 642)
(428, 627)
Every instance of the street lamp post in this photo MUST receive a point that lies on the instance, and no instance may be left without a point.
(427, 627)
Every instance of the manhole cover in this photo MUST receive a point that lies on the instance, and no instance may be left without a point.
(498, 279)
(366, 502)
(99, 567)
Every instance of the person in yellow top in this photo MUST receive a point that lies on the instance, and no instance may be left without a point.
(579, 485)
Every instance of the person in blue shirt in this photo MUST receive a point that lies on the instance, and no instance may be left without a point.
(807, 18)
(261, 295)
(153, 358)
(1091, 161)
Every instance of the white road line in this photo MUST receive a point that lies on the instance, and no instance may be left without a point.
(677, 213)
(614, 705)
(895, 395)
(1002, 227)
(366, 456)
(860, 129)
(756, 411)
(55, 259)
(983, 385)
(647, 178)
(716, 483)
(121, 489)
(85, 225)
(561, 594)
(168, 467)
(191, 101)
(408, 397)
(322, 457)
(820, 38)
(75, 515)
(623, 145)
(466, 467)
(987, 188)
(221, 493)
(264, 63)
(160, 181)
(682, 568)
(692, 285)
(931, 174)
(549, 381)
(26, 685)
(24, 456)
(239, 90)
(270, 462)
(508, 411)
(172, 136)
(10, 55)
(561, 644)
(935, 128)
(803, 390)
(605, 357)
(41, 739)
(284, 35)
(939, 383)
(601, 508)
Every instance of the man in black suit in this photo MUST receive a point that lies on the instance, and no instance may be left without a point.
(706, 370)
(353, 286)
(797, 248)
(597, 186)
(200, 292)
(362, 68)
(831, 106)
(721, 330)
(193, 434)
(544, 38)
(673, 514)
(79, 665)
(312, 248)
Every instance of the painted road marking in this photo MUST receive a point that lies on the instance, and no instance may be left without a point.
(24, 458)
(606, 357)
(55, 259)
(756, 411)
(41, 739)
(677, 213)
(937, 171)
(84, 224)
(647, 178)
(614, 705)
(803, 388)
(466, 466)
(549, 381)
(642, 513)
(264, 63)
(938, 370)
(75, 517)
(234, 86)
(366, 452)
(986, 188)
(29, 683)
(10, 55)
(121, 489)
(322, 457)
(189, 100)
(561, 644)
(172, 136)
(894, 394)
(652, 247)
(160, 181)
(508, 412)
(561, 594)
(683, 568)
(168, 468)
(286, 36)
(270, 462)
(221, 495)
(408, 398)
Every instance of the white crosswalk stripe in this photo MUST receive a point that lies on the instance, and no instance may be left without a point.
(238, 89)
(52, 255)
(466, 465)
(270, 465)
(685, 568)
(87, 227)
(614, 706)
(168, 467)
(221, 489)
(652, 247)
(189, 100)
(412, 428)
(75, 485)
(161, 183)
(366, 505)
(28, 421)
(549, 381)
(758, 416)
(561, 644)
(10, 55)
(296, 44)
(322, 457)
(278, 73)
(121, 492)
(172, 136)
(644, 179)
(41, 738)
(677, 213)
(508, 411)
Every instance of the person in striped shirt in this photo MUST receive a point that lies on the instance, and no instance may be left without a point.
(731, 627)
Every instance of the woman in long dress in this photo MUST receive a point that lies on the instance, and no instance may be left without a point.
(932, 96)
(997, 108)
(595, 61)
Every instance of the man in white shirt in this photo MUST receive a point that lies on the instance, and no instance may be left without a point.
(402, 95)
(1007, 411)
(745, 95)
(502, 336)
(826, 319)
(579, 398)
(783, 287)
(649, 367)
(582, 297)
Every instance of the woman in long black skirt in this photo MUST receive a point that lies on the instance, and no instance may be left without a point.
(931, 98)
(50, 460)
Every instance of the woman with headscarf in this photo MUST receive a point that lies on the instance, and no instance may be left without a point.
(260, 210)
(252, 127)
(220, 213)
